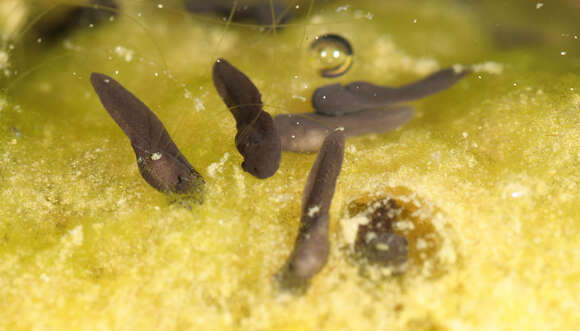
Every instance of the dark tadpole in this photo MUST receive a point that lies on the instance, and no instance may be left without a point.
(258, 11)
(376, 242)
(160, 162)
(257, 138)
(312, 244)
(304, 133)
(336, 99)
(64, 20)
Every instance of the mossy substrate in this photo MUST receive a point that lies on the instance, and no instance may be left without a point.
(488, 171)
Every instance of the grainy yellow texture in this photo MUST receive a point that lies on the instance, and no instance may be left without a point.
(494, 162)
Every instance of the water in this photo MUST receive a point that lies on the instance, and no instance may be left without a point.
(490, 167)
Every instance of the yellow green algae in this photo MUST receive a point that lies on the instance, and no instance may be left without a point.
(491, 167)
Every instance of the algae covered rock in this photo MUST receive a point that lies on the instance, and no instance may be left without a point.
(485, 174)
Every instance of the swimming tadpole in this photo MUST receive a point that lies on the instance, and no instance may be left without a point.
(257, 138)
(264, 12)
(359, 108)
(305, 132)
(337, 99)
(160, 162)
(312, 245)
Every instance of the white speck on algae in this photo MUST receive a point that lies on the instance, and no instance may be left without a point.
(124, 53)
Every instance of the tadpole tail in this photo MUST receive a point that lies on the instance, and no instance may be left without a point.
(436, 82)
(238, 93)
(321, 181)
(139, 123)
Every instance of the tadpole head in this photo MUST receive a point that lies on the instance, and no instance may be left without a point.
(168, 174)
(261, 154)
(310, 254)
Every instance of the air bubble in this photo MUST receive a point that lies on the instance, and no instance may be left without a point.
(332, 55)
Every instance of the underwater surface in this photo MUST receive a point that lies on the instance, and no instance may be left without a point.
(486, 175)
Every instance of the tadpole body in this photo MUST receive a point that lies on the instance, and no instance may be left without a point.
(337, 100)
(159, 160)
(257, 138)
(305, 133)
(312, 245)
(376, 242)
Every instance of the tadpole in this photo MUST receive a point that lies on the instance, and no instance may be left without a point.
(259, 11)
(159, 160)
(312, 244)
(304, 133)
(257, 138)
(65, 19)
(336, 99)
